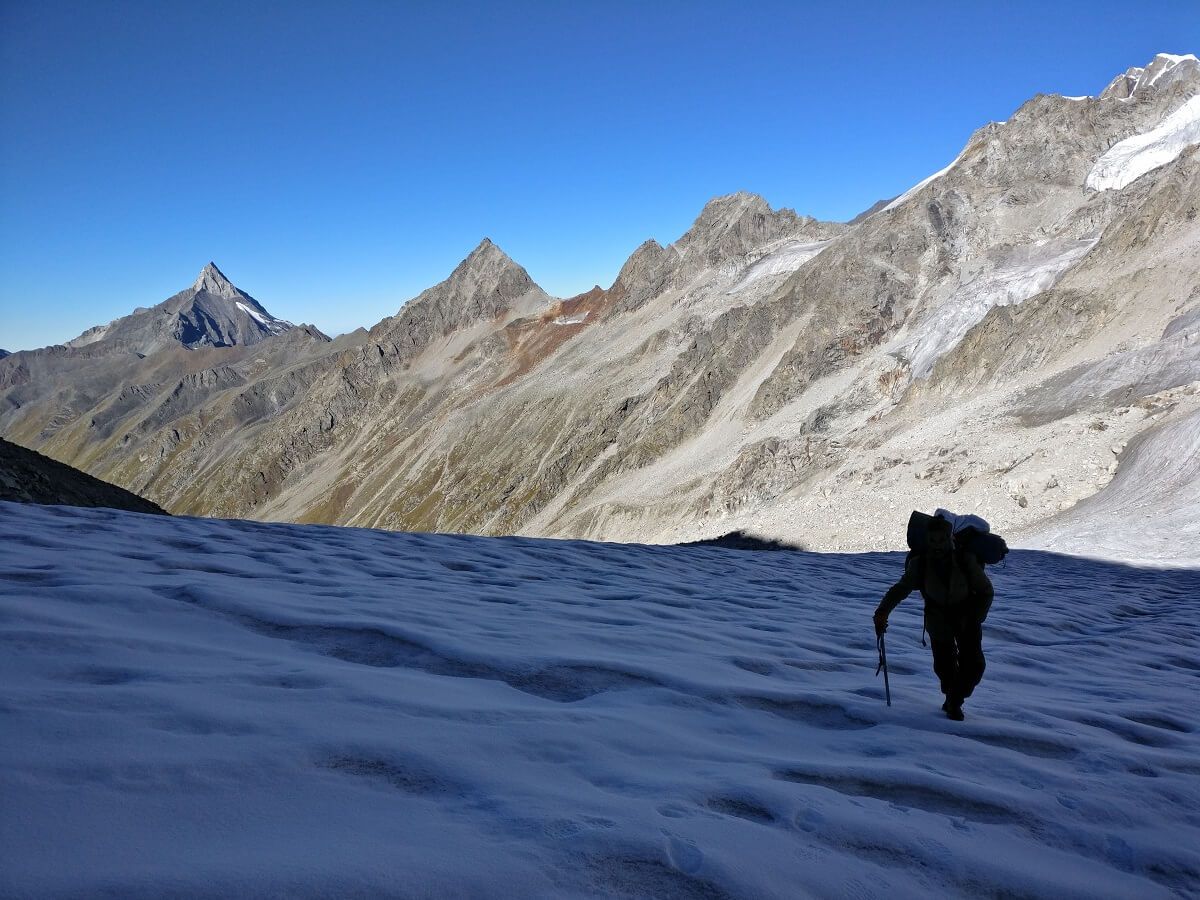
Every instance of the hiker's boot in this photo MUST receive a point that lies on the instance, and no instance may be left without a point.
(953, 708)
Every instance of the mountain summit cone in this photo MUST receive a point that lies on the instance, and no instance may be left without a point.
(213, 281)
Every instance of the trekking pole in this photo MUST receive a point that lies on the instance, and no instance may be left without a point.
(887, 688)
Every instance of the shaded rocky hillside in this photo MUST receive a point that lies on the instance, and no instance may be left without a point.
(29, 477)
(991, 339)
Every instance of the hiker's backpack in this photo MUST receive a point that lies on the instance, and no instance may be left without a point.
(988, 548)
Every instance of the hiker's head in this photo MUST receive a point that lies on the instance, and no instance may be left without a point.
(938, 540)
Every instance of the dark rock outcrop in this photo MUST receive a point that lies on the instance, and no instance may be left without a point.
(28, 477)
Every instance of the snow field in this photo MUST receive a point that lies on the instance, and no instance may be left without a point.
(1130, 159)
(199, 708)
(783, 261)
(1024, 272)
(270, 323)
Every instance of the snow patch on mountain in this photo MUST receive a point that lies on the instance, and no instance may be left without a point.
(204, 707)
(784, 261)
(1020, 274)
(1134, 83)
(575, 319)
(1164, 64)
(268, 322)
(924, 181)
(1130, 159)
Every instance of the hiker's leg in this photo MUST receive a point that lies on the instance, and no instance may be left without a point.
(945, 663)
(970, 656)
(945, 652)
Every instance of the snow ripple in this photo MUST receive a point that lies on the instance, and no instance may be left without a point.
(209, 708)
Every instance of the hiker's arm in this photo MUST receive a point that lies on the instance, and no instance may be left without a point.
(897, 592)
(981, 588)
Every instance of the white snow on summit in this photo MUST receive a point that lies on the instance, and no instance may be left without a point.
(1164, 63)
(1130, 159)
(195, 707)
(1165, 67)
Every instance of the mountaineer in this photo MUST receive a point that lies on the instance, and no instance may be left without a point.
(958, 595)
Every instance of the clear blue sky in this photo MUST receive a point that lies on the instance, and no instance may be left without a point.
(336, 158)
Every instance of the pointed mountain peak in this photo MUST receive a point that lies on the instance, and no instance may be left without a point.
(731, 225)
(1162, 71)
(642, 264)
(486, 286)
(211, 313)
(487, 253)
(488, 264)
(643, 274)
(735, 201)
(725, 212)
(213, 281)
(487, 277)
(737, 223)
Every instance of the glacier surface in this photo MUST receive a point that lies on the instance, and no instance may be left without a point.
(210, 708)
(1021, 273)
(1130, 159)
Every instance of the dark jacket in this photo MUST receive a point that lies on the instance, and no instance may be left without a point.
(960, 585)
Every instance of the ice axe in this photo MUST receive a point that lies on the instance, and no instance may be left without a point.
(882, 667)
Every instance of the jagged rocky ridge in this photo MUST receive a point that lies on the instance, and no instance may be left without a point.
(990, 339)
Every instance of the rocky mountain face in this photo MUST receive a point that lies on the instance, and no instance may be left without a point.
(211, 313)
(1003, 338)
(29, 477)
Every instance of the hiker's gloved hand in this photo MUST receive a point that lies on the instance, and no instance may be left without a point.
(880, 621)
